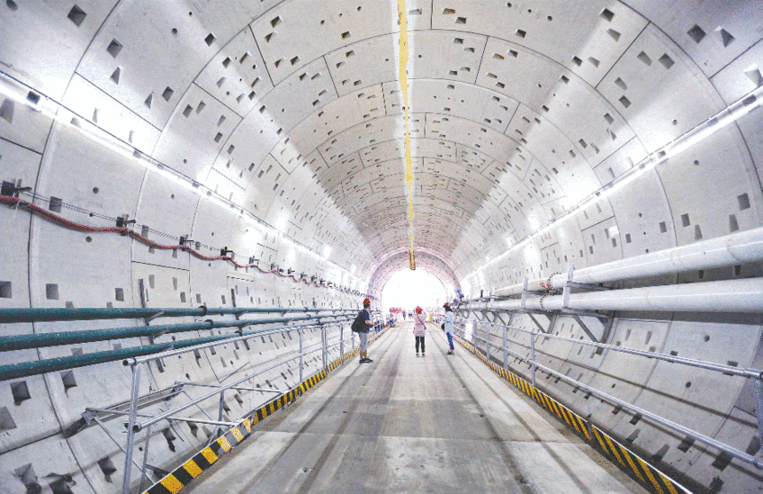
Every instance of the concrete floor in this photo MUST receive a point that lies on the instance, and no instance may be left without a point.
(413, 424)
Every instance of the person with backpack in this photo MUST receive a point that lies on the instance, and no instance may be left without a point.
(419, 330)
(448, 326)
(360, 325)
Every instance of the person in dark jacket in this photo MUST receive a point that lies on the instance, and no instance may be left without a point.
(448, 326)
(363, 333)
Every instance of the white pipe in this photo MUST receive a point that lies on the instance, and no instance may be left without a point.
(738, 248)
(745, 296)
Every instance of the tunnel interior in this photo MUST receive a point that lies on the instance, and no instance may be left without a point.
(218, 153)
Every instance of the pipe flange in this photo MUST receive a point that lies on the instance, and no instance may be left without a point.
(541, 303)
(204, 308)
(547, 283)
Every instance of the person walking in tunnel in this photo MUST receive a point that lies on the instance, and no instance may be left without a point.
(448, 326)
(419, 330)
(365, 316)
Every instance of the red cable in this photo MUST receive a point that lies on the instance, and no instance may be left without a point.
(126, 231)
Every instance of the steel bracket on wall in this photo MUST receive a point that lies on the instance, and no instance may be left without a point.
(569, 285)
(532, 313)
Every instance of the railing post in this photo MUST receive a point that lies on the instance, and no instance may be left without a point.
(532, 355)
(341, 342)
(131, 418)
(220, 409)
(487, 337)
(505, 347)
(759, 408)
(301, 353)
(143, 475)
(324, 349)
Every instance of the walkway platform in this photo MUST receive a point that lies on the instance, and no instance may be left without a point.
(407, 424)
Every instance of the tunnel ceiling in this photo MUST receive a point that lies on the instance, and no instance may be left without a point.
(293, 109)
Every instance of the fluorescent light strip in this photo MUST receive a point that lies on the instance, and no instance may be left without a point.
(50, 108)
(720, 120)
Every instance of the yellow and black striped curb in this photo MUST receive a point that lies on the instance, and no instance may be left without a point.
(636, 467)
(184, 474)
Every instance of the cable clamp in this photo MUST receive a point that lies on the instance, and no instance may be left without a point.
(10, 189)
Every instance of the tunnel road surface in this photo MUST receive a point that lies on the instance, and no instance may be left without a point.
(413, 424)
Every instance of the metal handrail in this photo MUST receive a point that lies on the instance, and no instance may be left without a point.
(25, 369)
(133, 426)
(754, 373)
(703, 364)
(88, 314)
(38, 340)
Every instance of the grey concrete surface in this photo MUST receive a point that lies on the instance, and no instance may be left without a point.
(413, 424)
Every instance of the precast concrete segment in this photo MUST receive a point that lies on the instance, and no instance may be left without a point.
(183, 475)
(414, 424)
(650, 477)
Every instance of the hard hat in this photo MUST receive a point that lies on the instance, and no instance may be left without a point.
(366, 301)
(418, 309)
(446, 304)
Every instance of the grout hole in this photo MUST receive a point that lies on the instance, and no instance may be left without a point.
(20, 392)
(686, 443)
(727, 38)
(6, 421)
(733, 224)
(6, 110)
(644, 58)
(607, 14)
(114, 48)
(696, 33)
(5, 289)
(722, 461)
(67, 377)
(210, 39)
(76, 15)
(666, 61)
(51, 291)
(744, 202)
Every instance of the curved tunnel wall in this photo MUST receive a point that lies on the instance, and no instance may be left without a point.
(291, 112)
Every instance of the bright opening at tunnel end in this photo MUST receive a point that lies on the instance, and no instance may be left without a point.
(408, 289)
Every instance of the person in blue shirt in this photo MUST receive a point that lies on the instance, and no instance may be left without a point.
(363, 333)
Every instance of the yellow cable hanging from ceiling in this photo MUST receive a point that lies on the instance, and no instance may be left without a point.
(404, 88)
